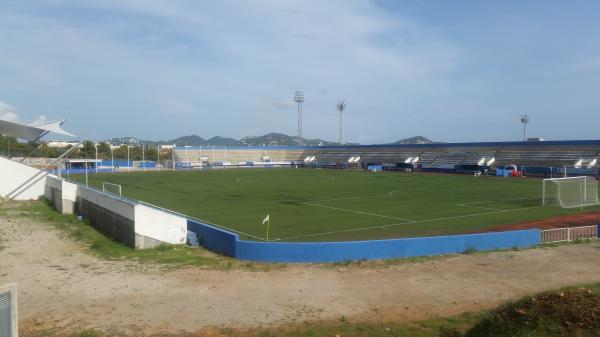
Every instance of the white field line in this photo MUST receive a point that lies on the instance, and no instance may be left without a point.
(412, 222)
(479, 207)
(392, 192)
(488, 201)
(348, 198)
(357, 212)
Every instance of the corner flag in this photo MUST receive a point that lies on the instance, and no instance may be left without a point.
(267, 220)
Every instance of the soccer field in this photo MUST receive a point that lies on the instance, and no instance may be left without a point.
(338, 205)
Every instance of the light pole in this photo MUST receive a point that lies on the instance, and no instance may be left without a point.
(158, 156)
(173, 157)
(299, 98)
(187, 157)
(341, 106)
(96, 163)
(128, 163)
(143, 159)
(112, 158)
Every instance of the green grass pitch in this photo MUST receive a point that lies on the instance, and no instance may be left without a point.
(338, 205)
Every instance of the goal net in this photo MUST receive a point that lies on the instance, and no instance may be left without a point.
(111, 188)
(570, 192)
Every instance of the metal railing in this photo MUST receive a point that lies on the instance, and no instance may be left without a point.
(569, 234)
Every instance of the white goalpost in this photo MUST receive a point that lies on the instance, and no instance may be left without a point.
(570, 192)
(111, 188)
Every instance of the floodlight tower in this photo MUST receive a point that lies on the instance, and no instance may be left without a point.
(524, 121)
(341, 106)
(299, 98)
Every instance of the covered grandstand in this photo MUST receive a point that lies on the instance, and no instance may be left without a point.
(544, 157)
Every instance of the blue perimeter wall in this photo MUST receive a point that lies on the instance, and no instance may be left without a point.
(227, 243)
(214, 239)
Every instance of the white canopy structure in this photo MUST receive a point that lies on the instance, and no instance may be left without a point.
(32, 132)
(21, 181)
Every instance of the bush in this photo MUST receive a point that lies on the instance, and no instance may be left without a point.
(552, 314)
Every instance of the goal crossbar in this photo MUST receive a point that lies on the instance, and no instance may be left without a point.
(570, 192)
(111, 188)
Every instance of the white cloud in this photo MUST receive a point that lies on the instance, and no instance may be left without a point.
(8, 112)
(284, 104)
(140, 61)
(40, 119)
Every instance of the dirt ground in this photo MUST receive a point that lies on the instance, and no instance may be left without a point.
(573, 220)
(62, 287)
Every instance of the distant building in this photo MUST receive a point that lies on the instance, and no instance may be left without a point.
(535, 139)
(62, 144)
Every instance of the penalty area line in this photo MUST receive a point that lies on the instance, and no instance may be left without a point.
(409, 223)
(356, 212)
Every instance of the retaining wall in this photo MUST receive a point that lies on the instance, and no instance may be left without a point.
(113, 217)
(133, 223)
(227, 243)
(383, 249)
(215, 239)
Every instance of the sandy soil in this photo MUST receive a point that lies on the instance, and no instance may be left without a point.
(61, 287)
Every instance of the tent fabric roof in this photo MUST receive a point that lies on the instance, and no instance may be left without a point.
(32, 132)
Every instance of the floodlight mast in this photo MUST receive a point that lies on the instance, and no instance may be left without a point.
(341, 106)
(524, 121)
(299, 98)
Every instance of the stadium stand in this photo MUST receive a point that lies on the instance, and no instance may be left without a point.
(538, 157)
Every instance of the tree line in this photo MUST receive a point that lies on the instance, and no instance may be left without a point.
(10, 147)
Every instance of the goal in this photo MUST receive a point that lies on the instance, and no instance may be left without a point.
(111, 188)
(570, 192)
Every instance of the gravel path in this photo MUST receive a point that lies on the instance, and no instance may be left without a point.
(62, 287)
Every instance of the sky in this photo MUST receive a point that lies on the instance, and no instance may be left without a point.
(449, 70)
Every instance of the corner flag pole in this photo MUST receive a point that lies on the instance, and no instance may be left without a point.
(268, 225)
(267, 219)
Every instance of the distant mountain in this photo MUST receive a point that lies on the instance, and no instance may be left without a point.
(270, 139)
(222, 141)
(415, 140)
(279, 139)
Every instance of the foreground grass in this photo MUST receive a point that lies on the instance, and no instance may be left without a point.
(570, 311)
(168, 256)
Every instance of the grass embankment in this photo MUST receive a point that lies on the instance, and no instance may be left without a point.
(567, 312)
(94, 242)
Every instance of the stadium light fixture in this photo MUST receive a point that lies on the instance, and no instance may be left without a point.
(524, 121)
(299, 98)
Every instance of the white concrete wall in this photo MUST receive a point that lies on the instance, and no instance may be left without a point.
(152, 226)
(115, 205)
(69, 191)
(160, 225)
(68, 194)
(13, 174)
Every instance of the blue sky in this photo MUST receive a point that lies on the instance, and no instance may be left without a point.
(448, 70)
